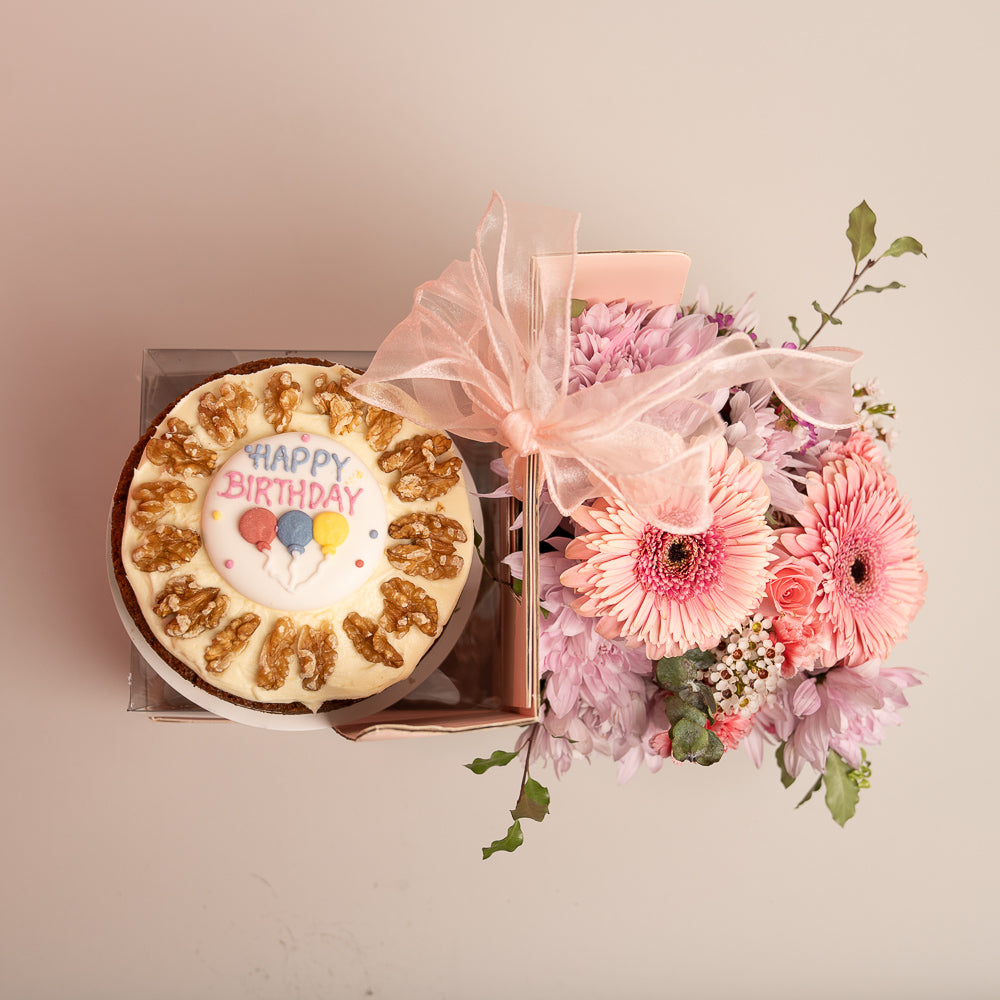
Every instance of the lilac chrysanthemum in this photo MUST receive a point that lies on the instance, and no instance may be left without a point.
(615, 340)
(599, 694)
(755, 428)
(845, 709)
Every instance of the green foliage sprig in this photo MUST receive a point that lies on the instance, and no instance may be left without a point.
(532, 799)
(861, 234)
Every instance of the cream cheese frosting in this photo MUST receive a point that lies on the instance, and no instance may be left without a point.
(293, 524)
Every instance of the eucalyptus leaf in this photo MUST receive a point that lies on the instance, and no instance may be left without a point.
(576, 307)
(905, 244)
(513, 840)
(677, 709)
(861, 231)
(672, 673)
(700, 657)
(499, 758)
(699, 696)
(688, 740)
(533, 802)
(842, 791)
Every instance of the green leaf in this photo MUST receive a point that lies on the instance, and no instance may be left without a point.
(878, 288)
(677, 709)
(699, 696)
(842, 791)
(795, 326)
(533, 802)
(513, 840)
(905, 244)
(672, 673)
(815, 788)
(827, 318)
(499, 758)
(693, 742)
(517, 586)
(861, 231)
(576, 307)
(786, 779)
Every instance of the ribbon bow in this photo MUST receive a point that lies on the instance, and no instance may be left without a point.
(485, 354)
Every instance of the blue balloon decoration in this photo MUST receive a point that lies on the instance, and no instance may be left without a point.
(295, 530)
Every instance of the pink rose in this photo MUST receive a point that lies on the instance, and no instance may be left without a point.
(793, 587)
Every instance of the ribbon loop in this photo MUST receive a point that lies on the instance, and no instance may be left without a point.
(468, 359)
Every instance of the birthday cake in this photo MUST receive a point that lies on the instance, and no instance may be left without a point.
(286, 546)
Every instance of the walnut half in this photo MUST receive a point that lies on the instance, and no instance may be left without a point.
(281, 396)
(194, 608)
(224, 417)
(157, 498)
(370, 641)
(178, 450)
(429, 548)
(230, 642)
(276, 655)
(345, 411)
(421, 476)
(166, 547)
(317, 649)
(407, 605)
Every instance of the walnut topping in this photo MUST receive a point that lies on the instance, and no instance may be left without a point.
(406, 605)
(281, 396)
(195, 608)
(158, 498)
(276, 655)
(224, 417)
(230, 642)
(431, 552)
(166, 547)
(330, 397)
(178, 449)
(420, 476)
(370, 641)
(383, 426)
(317, 649)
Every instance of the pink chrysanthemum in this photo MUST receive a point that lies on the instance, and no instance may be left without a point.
(859, 531)
(844, 709)
(675, 592)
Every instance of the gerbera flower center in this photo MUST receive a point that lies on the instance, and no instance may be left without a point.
(858, 569)
(678, 567)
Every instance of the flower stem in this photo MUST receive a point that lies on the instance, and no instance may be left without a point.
(870, 263)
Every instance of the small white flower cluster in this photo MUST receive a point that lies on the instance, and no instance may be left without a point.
(876, 415)
(748, 668)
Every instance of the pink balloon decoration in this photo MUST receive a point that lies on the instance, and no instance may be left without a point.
(259, 527)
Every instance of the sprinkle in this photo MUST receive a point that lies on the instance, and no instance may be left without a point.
(216, 514)
(359, 563)
(229, 564)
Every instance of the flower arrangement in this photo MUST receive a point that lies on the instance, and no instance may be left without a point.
(738, 574)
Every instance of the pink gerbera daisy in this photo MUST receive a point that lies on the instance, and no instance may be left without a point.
(675, 592)
(859, 531)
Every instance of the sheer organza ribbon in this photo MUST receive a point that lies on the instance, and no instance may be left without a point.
(485, 354)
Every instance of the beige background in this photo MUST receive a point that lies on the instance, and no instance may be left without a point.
(282, 173)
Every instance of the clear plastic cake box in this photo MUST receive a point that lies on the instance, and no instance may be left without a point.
(488, 678)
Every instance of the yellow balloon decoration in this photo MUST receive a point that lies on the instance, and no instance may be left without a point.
(330, 530)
